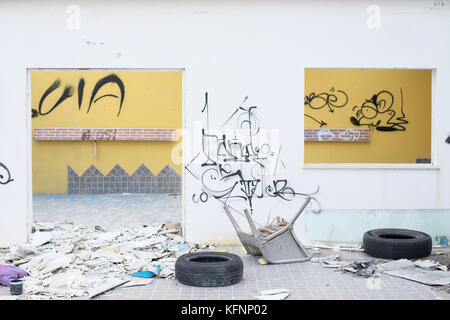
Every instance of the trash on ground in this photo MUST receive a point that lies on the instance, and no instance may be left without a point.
(276, 225)
(8, 297)
(330, 261)
(442, 240)
(364, 269)
(407, 269)
(429, 277)
(441, 256)
(39, 238)
(136, 282)
(156, 270)
(430, 265)
(328, 258)
(273, 294)
(66, 260)
(22, 251)
(332, 264)
(113, 283)
(16, 287)
(335, 248)
(445, 289)
(172, 225)
(396, 264)
(262, 261)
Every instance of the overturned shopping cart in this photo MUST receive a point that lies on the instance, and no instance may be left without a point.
(281, 246)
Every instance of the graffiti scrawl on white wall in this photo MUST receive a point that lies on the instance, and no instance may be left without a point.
(238, 163)
(5, 175)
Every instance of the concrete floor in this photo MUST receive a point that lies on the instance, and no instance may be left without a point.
(306, 281)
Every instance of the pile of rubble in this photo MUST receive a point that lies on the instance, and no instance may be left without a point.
(432, 271)
(65, 260)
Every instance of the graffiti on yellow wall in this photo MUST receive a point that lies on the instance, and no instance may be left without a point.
(395, 104)
(102, 99)
(68, 92)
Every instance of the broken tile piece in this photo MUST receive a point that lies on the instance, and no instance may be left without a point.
(273, 294)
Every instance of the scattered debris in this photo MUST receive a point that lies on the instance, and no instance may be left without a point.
(442, 240)
(364, 269)
(274, 294)
(441, 256)
(40, 238)
(396, 264)
(332, 257)
(135, 282)
(335, 248)
(430, 265)
(66, 260)
(8, 297)
(22, 251)
(262, 261)
(114, 283)
(429, 277)
(156, 270)
(172, 225)
(445, 289)
(276, 225)
(330, 261)
(220, 250)
(409, 270)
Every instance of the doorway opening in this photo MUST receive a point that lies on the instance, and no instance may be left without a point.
(106, 146)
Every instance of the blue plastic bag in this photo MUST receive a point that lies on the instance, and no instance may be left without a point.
(147, 274)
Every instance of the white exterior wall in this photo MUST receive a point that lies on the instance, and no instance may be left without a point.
(233, 49)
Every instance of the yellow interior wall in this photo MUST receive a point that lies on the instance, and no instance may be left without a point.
(360, 85)
(152, 100)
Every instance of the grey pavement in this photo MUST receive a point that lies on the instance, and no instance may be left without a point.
(108, 210)
(306, 281)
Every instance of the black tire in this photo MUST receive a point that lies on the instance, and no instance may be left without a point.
(209, 269)
(397, 244)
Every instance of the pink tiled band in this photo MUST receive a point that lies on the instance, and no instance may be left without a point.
(141, 134)
(338, 135)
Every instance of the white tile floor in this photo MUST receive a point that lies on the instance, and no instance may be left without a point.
(108, 210)
(306, 281)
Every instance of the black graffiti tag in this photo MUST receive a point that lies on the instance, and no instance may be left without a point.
(67, 93)
(108, 134)
(334, 100)
(379, 112)
(5, 175)
(224, 175)
(69, 90)
(113, 79)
